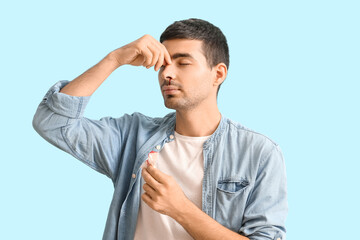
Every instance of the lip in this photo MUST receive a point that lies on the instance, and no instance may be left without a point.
(166, 88)
(170, 89)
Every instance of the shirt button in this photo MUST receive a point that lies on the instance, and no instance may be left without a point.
(133, 175)
(171, 136)
(158, 147)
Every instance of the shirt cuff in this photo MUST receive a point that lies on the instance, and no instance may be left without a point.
(63, 104)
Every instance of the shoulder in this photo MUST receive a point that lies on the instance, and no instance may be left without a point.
(246, 138)
(262, 150)
(236, 128)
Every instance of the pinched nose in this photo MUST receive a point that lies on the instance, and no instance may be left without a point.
(167, 72)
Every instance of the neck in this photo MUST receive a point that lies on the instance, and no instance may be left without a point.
(197, 122)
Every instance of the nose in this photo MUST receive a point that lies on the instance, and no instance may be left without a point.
(167, 72)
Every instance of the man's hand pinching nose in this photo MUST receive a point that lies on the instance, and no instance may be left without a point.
(145, 51)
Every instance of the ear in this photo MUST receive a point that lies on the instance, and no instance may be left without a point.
(220, 74)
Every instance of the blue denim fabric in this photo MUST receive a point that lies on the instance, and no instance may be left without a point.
(244, 184)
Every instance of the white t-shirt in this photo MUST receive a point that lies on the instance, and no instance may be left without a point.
(183, 160)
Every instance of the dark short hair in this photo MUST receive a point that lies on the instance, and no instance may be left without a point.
(214, 46)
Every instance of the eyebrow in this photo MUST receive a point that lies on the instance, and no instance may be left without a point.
(180, 55)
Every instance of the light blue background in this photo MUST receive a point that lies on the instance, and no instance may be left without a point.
(294, 76)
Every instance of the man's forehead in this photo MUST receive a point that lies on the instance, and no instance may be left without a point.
(183, 47)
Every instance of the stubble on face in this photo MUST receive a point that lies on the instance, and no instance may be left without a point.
(193, 84)
(182, 103)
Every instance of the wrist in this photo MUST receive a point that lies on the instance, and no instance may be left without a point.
(113, 58)
(182, 214)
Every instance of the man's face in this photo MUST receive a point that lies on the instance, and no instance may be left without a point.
(190, 77)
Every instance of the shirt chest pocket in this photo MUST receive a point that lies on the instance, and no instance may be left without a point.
(232, 186)
(231, 197)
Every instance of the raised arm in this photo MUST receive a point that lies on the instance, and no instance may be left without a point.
(145, 51)
(98, 143)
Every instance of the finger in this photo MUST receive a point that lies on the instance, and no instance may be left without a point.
(166, 55)
(160, 62)
(149, 190)
(162, 49)
(157, 175)
(146, 198)
(147, 56)
(149, 179)
(156, 54)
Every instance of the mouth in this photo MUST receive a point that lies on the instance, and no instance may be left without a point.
(170, 90)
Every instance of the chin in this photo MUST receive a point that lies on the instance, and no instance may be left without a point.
(170, 105)
(178, 103)
(170, 102)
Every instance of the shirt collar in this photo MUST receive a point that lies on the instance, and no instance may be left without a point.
(219, 130)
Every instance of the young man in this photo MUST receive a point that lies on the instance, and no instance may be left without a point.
(190, 174)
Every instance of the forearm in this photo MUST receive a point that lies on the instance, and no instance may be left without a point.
(145, 51)
(200, 226)
(89, 81)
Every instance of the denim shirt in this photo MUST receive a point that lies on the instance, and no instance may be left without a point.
(244, 183)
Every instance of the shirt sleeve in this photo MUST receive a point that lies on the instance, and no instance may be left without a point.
(97, 143)
(267, 208)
